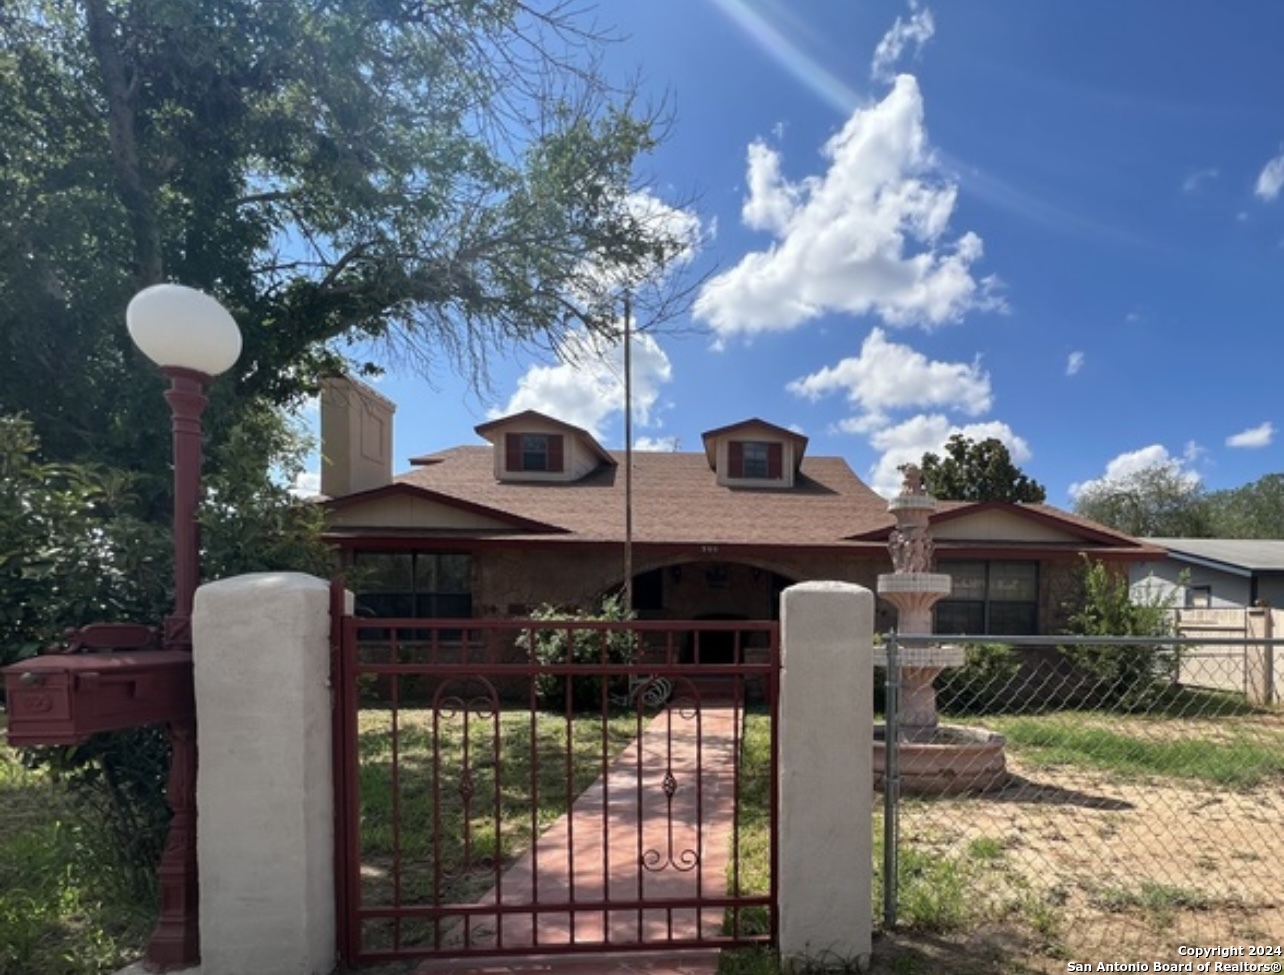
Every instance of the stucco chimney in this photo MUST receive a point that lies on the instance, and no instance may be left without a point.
(356, 437)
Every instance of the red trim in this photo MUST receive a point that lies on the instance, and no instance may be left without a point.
(556, 461)
(735, 458)
(694, 551)
(512, 452)
(775, 461)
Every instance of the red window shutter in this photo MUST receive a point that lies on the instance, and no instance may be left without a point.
(555, 461)
(775, 461)
(735, 459)
(513, 451)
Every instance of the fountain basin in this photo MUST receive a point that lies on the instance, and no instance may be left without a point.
(955, 760)
(939, 656)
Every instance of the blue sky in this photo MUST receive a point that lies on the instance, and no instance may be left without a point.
(1057, 224)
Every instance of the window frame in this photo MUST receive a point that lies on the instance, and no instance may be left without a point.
(767, 460)
(989, 606)
(534, 452)
(427, 602)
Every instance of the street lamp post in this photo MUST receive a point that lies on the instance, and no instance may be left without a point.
(193, 339)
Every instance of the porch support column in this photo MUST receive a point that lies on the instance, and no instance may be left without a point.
(265, 796)
(826, 725)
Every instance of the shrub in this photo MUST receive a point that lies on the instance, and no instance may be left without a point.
(558, 645)
(983, 684)
(1131, 677)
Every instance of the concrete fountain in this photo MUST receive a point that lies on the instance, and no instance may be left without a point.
(933, 759)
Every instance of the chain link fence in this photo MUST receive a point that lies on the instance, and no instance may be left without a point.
(1139, 814)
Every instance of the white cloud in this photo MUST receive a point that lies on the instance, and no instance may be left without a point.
(1074, 363)
(867, 236)
(1253, 437)
(664, 445)
(588, 386)
(887, 376)
(915, 32)
(1271, 179)
(907, 442)
(1126, 464)
(1198, 178)
(307, 484)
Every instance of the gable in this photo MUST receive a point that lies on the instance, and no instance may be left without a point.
(998, 525)
(405, 511)
(409, 506)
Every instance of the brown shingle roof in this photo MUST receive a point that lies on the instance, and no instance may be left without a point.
(676, 499)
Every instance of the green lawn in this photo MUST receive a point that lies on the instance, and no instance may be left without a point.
(482, 826)
(61, 913)
(1236, 754)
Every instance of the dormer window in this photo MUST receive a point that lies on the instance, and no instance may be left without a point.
(754, 459)
(534, 452)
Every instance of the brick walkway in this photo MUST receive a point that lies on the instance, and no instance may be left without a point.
(597, 852)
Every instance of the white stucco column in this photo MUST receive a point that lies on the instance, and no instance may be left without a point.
(826, 775)
(265, 800)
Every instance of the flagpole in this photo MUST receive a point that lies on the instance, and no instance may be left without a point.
(628, 454)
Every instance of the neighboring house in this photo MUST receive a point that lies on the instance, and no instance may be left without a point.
(1214, 573)
(536, 513)
(1222, 588)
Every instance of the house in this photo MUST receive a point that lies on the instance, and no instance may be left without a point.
(1214, 573)
(1222, 588)
(537, 511)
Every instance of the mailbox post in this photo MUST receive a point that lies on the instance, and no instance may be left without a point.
(116, 676)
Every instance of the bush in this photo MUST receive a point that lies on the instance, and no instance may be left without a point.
(1130, 677)
(983, 684)
(579, 646)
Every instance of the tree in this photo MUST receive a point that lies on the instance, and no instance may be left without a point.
(426, 179)
(430, 180)
(1156, 501)
(1125, 676)
(1255, 510)
(978, 471)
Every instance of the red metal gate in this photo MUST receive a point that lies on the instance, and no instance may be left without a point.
(520, 787)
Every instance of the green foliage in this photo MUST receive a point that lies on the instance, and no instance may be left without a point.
(75, 550)
(1253, 511)
(1125, 676)
(579, 646)
(978, 471)
(71, 550)
(64, 908)
(983, 684)
(1157, 501)
(117, 783)
(423, 182)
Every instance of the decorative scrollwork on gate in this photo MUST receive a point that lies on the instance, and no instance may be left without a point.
(474, 711)
(674, 857)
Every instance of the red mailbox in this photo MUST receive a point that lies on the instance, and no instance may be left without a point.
(64, 698)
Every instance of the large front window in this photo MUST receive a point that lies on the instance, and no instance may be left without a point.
(990, 597)
(413, 585)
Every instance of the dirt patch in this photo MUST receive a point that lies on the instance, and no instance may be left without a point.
(1075, 865)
